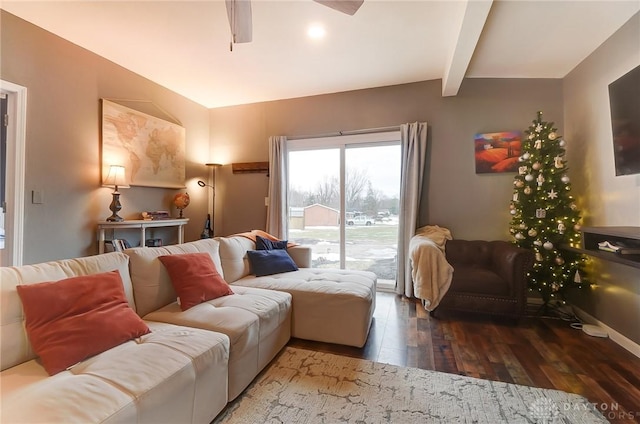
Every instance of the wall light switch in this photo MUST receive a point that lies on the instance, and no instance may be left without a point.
(37, 197)
(266, 201)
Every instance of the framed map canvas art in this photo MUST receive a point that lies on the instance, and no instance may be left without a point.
(152, 150)
(497, 152)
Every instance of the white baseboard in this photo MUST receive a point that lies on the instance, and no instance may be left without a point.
(616, 337)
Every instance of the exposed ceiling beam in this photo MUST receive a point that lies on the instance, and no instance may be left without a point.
(475, 16)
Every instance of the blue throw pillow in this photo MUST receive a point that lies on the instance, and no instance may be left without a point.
(268, 262)
(266, 244)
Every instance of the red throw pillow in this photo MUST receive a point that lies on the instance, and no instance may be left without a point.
(195, 278)
(70, 320)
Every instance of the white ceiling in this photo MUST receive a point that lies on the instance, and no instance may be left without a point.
(184, 45)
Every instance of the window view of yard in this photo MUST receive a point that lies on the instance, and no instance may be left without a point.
(370, 248)
(370, 193)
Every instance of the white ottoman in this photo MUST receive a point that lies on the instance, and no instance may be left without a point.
(329, 305)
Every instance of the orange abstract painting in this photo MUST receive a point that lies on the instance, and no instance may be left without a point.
(497, 152)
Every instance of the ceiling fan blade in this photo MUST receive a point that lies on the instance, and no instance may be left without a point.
(350, 7)
(239, 14)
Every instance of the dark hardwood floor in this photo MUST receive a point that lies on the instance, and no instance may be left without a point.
(535, 351)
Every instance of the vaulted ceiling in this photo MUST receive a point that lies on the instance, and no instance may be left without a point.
(185, 45)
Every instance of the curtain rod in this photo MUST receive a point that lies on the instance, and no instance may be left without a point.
(350, 132)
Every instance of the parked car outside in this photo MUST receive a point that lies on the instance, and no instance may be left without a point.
(360, 220)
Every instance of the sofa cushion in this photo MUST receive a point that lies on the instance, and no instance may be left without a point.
(152, 285)
(233, 257)
(172, 375)
(195, 278)
(72, 319)
(235, 263)
(257, 322)
(15, 347)
(269, 262)
(468, 253)
(479, 281)
(266, 244)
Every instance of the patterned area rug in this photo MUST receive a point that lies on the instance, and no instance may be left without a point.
(303, 386)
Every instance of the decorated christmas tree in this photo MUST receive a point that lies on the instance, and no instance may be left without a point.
(545, 217)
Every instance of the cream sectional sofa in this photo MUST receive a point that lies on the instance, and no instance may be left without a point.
(174, 374)
(193, 362)
(256, 321)
(329, 305)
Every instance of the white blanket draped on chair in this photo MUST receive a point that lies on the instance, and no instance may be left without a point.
(430, 271)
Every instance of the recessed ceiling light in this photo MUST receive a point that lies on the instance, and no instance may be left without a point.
(316, 32)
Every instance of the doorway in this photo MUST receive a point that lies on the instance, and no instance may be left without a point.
(12, 176)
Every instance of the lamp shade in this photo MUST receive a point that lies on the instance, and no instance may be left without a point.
(116, 177)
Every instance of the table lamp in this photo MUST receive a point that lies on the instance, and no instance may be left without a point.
(115, 178)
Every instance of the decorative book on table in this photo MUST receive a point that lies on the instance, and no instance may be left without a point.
(155, 215)
(620, 248)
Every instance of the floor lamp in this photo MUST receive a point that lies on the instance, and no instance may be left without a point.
(201, 183)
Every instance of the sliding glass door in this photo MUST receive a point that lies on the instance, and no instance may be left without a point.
(343, 197)
(314, 204)
(372, 189)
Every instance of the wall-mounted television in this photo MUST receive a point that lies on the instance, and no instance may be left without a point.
(624, 100)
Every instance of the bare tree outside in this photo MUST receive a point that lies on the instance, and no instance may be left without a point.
(327, 192)
(356, 183)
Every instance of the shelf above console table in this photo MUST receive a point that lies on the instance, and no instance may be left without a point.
(591, 236)
(142, 225)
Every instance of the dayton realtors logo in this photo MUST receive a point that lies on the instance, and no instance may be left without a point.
(544, 411)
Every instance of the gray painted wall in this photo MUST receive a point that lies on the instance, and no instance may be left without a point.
(607, 200)
(473, 206)
(65, 84)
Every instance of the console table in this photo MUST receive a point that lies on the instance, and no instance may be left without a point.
(142, 225)
(591, 236)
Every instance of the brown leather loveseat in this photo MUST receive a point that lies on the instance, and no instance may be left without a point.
(488, 277)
